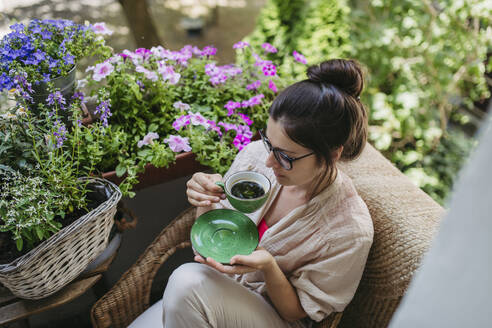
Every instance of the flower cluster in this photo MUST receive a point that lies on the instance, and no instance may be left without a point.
(46, 49)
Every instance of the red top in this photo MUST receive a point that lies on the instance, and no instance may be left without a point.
(262, 227)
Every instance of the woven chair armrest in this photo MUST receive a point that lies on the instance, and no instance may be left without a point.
(130, 296)
(331, 321)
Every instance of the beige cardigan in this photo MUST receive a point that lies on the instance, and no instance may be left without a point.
(321, 246)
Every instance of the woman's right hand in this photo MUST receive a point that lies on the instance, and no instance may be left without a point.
(202, 190)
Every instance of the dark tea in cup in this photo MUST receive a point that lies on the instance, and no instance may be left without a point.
(247, 190)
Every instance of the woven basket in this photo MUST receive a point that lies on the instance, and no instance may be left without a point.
(60, 259)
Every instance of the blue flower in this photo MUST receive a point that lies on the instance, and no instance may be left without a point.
(45, 34)
(68, 59)
(103, 109)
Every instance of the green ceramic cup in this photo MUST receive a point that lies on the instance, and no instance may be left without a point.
(241, 204)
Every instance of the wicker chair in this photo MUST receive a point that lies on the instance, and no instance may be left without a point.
(405, 220)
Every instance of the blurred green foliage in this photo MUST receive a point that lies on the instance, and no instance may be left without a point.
(424, 61)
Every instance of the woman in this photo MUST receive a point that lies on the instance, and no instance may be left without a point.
(318, 230)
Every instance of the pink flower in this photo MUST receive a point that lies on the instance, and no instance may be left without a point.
(241, 141)
(228, 126)
(211, 69)
(168, 73)
(181, 121)
(253, 101)
(245, 118)
(100, 28)
(213, 126)
(102, 70)
(240, 45)
(181, 105)
(269, 69)
(299, 57)
(253, 86)
(272, 86)
(148, 139)
(178, 143)
(148, 74)
(231, 106)
(198, 119)
(269, 48)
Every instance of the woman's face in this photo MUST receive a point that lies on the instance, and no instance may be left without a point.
(303, 170)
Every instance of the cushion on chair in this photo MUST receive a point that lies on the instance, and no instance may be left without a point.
(151, 318)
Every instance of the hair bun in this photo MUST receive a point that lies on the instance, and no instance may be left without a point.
(346, 75)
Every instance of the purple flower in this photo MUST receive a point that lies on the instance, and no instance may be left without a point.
(241, 141)
(269, 48)
(213, 126)
(148, 139)
(299, 57)
(211, 69)
(272, 86)
(103, 109)
(100, 28)
(218, 79)
(209, 51)
(46, 35)
(244, 130)
(253, 86)
(269, 70)
(240, 45)
(60, 133)
(181, 121)
(56, 98)
(78, 95)
(181, 106)
(178, 143)
(102, 70)
(253, 101)
(68, 59)
(231, 106)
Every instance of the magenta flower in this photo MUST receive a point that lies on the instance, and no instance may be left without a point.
(272, 86)
(213, 126)
(148, 139)
(269, 48)
(253, 101)
(231, 106)
(241, 141)
(102, 70)
(299, 57)
(181, 105)
(209, 51)
(254, 86)
(178, 143)
(228, 126)
(181, 121)
(240, 45)
(244, 130)
(245, 118)
(100, 28)
(269, 69)
(211, 69)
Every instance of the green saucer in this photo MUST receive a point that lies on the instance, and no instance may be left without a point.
(221, 234)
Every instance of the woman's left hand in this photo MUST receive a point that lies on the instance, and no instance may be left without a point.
(260, 259)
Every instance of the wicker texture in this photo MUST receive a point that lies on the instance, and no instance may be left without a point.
(60, 259)
(405, 219)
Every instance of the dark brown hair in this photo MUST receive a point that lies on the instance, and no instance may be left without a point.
(324, 112)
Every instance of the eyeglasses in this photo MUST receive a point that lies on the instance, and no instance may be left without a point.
(283, 159)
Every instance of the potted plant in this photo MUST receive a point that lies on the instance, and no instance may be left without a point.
(48, 51)
(55, 216)
(162, 103)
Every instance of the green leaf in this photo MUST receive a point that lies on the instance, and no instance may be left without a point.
(19, 244)
(39, 233)
(120, 170)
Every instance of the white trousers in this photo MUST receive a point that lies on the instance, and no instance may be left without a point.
(199, 296)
